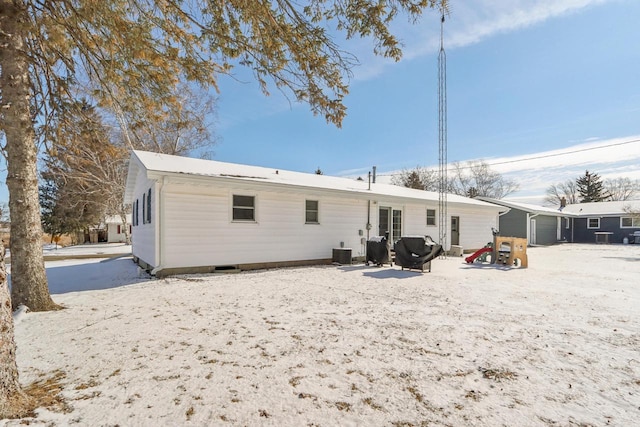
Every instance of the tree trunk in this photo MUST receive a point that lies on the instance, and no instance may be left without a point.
(13, 402)
(123, 218)
(28, 278)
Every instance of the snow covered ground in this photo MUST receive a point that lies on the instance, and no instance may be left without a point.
(556, 344)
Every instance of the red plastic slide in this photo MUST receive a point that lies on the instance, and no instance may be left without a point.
(476, 254)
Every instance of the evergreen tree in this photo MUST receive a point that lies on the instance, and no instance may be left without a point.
(132, 55)
(591, 188)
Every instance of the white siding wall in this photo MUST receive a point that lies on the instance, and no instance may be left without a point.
(197, 226)
(475, 226)
(112, 233)
(415, 220)
(199, 230)
(475, 223)
(143, 236)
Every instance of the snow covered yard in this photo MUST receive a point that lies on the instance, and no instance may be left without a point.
(555, 344)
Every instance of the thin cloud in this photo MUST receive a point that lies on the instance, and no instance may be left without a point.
(469, 23)
(609, 158)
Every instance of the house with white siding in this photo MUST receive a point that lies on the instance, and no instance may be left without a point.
(195, 215)
(116, 228)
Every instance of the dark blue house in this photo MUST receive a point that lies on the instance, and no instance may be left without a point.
(603, 222)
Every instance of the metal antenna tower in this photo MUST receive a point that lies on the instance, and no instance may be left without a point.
(442, 140)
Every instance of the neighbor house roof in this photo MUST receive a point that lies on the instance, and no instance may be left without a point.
(602, 208)
(158, 165)
(533, 209)
(117, 219)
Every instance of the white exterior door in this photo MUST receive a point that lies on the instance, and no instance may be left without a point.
(532, 232)
(390, 220)
(455, 230)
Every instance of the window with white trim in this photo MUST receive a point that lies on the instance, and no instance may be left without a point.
(593, 223)
(311, 214)
(567, 223)
(431, 217)
(629, 222)
(244, 208)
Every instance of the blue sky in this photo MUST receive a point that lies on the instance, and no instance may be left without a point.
(524, 78)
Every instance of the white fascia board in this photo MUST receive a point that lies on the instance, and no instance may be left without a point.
(234, 182)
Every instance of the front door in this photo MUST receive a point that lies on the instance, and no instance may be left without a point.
(455, 230)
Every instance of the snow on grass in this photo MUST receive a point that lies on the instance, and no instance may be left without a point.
(555, 344)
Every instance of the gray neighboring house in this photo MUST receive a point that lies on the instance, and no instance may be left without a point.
(539, 225)
(603, 222)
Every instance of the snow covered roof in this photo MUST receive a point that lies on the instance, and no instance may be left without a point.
(158, 165)
(602, 208)
(116, 219)
(534, 209)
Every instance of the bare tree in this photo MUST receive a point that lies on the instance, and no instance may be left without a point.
(634, 212)
(87, 170)
(567, 190)
(419, 178)
(621, 188)
(475, 178)
(183, 131)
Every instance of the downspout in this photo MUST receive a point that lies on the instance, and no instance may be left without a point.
(368, 226)
(160, 245)
(572, 228)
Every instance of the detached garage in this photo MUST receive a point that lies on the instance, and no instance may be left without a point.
(194, 215)
(538, 224)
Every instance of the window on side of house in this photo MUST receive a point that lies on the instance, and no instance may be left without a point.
(244, 208)
(144, 208)
(149, 207)
(567, 223)
(135, 213)
(311, 215)
(629, 222)
(431, 217)
(593, 222)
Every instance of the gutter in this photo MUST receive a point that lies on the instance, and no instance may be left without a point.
(499, 215)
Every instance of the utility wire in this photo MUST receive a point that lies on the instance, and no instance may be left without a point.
(545, 156)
